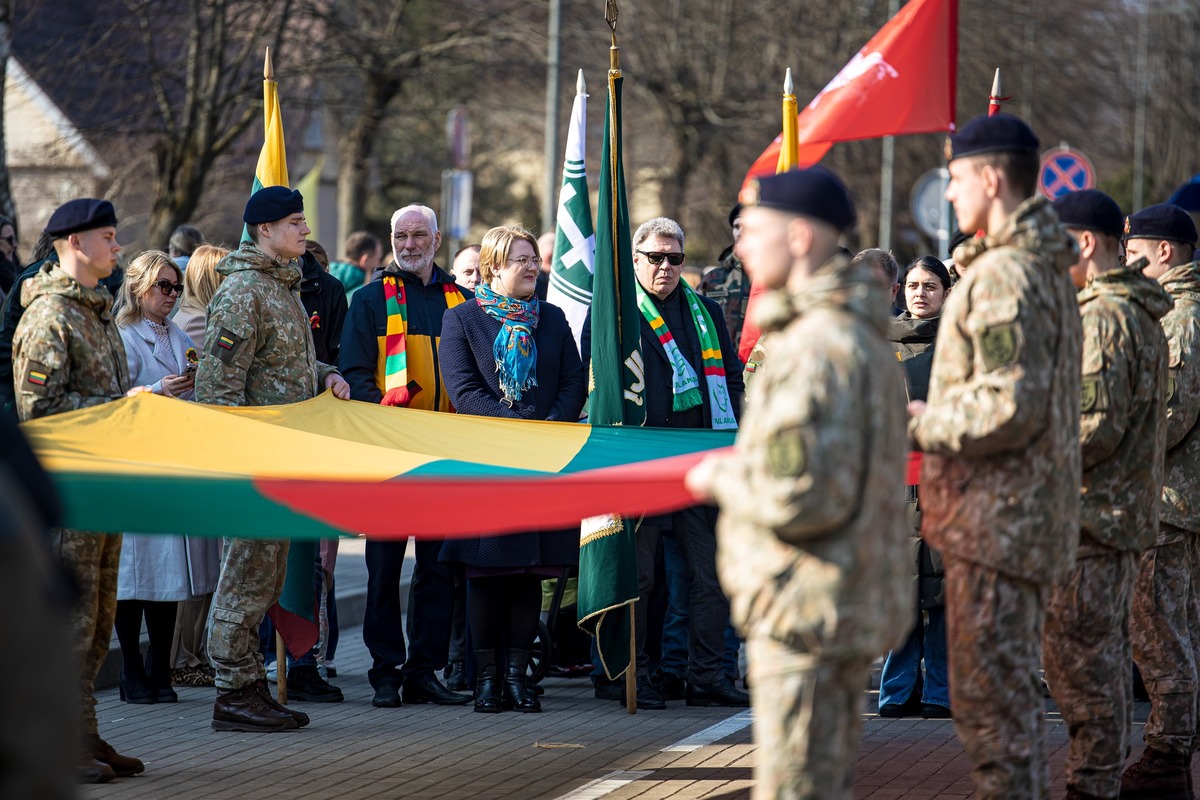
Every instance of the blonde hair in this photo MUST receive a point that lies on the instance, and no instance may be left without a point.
(493, 250)
(140, 277)
(201, 278)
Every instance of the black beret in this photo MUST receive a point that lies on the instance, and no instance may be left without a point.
(814, 192)
(1090, 209)
(1187, 197)
(1002, 133)
(272, 203)
(83, 214)
(734, 213)
(1163, 221)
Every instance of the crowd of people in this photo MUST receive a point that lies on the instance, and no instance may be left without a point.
(1045, 374)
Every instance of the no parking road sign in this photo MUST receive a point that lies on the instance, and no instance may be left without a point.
(1065, 170)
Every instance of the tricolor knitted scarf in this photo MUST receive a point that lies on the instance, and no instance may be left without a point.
(685, 384)
(514, 348)
(395, 365)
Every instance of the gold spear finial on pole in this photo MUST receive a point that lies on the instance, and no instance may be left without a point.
(268, 67)
(614, 52)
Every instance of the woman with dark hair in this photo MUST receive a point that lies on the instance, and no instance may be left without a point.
(10, 265)
(506, 354)
(903, 690)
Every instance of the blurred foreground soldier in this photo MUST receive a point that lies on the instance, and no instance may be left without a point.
(1122, 434)
(1163, 620)
(1001, 474)
(68, 355)
(812, 544)
(258, 351)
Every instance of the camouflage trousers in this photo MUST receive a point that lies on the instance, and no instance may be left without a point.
(252, 573)
(807, 721)
(1164, 626)
(94, 560)
(1088, 660)
(994, 633)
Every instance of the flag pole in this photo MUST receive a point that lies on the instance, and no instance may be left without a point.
(280, 668)
(789, 149)
(995, 98)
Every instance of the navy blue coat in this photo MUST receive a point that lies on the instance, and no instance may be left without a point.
(469, 375)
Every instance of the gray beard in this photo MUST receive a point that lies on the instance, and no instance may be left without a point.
(405, 267)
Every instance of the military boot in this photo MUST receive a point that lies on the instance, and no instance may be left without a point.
(1156, 776)
(102, 751)
(245, 710)
(92, 771)
(264, 691)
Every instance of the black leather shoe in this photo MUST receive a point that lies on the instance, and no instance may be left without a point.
(648, 698)
(517, 693)
(721, 692)
(934, 711)
(305, 685)
(133, 686)
(430, 690)
(606, 689)
(895, 711)
(387, 695)
(456, 676)
(487, 683)
(669, 685)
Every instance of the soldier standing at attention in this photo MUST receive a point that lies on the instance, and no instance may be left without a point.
(68, 355)
(258, 351)
(1163, 620)
(1122, 435)
(813, 547)
(1001, 474)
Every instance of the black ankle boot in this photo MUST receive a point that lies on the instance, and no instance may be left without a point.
(158, 678)
(487, 683)
(132, 681)
(517, 693)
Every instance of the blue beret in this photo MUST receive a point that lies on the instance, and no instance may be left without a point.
(1163, 221)
(83, 214)
(1002, 133)
(814, 192)
(1090, 209)
(271, 204)
(1187, 196)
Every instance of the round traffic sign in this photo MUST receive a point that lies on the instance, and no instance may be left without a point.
(1065, 170)
(928, 203)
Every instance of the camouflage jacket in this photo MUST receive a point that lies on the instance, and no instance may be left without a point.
(1123, 422)
(1000, 479)
(812, 546)
(728, 285)
(258, 348)
(67, 351)
(1181, 486)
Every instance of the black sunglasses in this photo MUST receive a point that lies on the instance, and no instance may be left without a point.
(168, 288)
(674, 259)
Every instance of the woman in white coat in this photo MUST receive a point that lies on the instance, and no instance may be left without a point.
(156, 571)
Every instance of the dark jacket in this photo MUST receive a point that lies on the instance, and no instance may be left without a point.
(914, 339)
(324, 299)
(361, 359)
(469, 372)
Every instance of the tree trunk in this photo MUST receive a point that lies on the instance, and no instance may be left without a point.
(7, 207)
(354, 153)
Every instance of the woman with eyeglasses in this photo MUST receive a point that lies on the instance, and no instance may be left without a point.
(156, 571)
(506, 354)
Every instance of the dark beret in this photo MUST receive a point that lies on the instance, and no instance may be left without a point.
(1002, 133)
(272, 203)
(1090, 209)
(734, 213)
(814, 192)
(83, 214)
(1163, 221)
(1187, 196)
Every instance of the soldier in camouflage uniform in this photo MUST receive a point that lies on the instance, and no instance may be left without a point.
(1163, 622)
(68, 355)
(258, 350)
(1001, 473)
(1086, 646)
(727, 282)
(812, 541)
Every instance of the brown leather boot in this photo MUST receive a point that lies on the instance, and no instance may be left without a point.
(92, 771)
(1156, 776)
(245, 710)
(264, 691)
(102, 751)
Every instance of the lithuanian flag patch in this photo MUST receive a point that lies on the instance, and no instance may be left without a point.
(37, 378)
(225, 341)
(226, 345)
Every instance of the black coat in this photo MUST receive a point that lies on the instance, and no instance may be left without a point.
(324, 300)
(469, 373)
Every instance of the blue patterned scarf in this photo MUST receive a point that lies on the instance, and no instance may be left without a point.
(514, 349)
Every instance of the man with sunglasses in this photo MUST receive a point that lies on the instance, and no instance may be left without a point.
(68, 355)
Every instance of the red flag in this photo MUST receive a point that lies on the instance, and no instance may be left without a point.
(902, 81)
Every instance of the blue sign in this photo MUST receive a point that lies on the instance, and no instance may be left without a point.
(1065, 170)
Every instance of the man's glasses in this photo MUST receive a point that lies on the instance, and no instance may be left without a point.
(168, 288)
(674, 259)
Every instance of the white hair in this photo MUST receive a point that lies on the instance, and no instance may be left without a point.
(424, 211)
(659, 226)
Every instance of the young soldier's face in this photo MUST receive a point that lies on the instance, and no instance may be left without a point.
(98, 250)
(763, 246)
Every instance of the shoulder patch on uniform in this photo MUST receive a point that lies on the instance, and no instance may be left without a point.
(226, 345)
(37, 375)
(1093, 397)
(786, 453)
(999, 345)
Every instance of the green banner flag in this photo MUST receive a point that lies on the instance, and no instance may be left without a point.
(608, 582)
